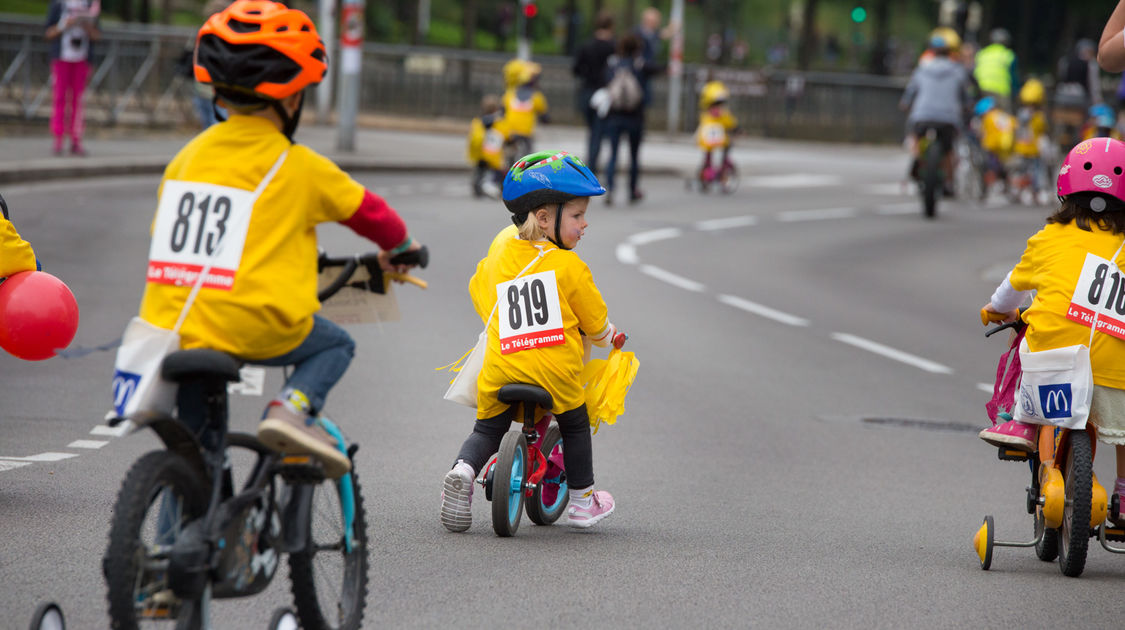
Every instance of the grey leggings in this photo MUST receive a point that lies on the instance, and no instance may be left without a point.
(578, 456)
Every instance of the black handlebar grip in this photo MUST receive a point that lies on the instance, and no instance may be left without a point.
(419, 257)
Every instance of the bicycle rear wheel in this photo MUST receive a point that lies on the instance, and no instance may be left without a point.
(931, 178)
(550, 497)
(508, 478)
(329, 581)
(1074, 533)
(161, 493)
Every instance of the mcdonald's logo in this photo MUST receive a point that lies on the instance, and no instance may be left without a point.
(1055, 400)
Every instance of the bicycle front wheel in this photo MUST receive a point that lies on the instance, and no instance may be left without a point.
(508, 478)
(329, 579)
(1074, 533)
(161, 493)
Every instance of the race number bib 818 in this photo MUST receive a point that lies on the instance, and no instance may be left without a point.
(192, 219)
(1101, 289)
(530, 317)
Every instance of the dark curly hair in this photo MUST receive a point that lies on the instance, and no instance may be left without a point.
(1076, 207)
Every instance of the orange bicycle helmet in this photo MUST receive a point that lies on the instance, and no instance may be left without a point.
(259, 50)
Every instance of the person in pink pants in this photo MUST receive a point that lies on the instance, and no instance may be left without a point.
(71, 29)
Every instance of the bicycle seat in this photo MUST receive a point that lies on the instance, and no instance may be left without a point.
(522, 392)
(185, 364)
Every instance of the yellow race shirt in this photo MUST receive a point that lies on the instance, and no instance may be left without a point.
(1028, 135)
(259, 299)
(15, 253)
(998, 129)
(556, 368)
(522, 108)
(1052, 264)
(714, 131)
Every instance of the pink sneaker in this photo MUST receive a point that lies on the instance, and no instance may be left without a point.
(1012, 434)
(601, 506)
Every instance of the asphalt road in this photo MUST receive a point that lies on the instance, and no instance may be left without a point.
(798, 449)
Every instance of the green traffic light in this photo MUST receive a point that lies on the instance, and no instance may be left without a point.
(859, 14)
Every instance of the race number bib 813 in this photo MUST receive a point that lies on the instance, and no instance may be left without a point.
(1101, 289)
(192, 219)
(530, 317)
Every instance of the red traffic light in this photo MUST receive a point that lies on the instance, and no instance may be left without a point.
(530, 10)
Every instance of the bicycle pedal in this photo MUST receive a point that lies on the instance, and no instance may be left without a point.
(1116, 534)
(301, 469)
(1013, 455)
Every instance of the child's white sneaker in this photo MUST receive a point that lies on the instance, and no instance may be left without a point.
(457, 498)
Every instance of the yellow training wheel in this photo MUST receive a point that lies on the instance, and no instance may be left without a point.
(982, 542)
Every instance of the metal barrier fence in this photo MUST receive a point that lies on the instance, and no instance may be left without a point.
(133, 81)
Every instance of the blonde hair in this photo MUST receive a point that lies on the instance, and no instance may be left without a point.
(530, 230)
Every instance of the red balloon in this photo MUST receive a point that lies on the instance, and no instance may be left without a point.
(38, 315)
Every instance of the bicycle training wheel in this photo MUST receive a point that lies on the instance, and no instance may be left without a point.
(329, 581)
(728, 179)
(161, 493)
(549, 499)
(507, 484)
(1047, 549)
(1074, 533)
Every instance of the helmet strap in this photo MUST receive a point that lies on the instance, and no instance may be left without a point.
(558, 226)
(289, 123)
(219, 115)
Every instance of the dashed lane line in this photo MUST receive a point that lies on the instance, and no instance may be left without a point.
(793, 216)
(88, 444)
(764, 311)
(627, 254)
(727, 223)
(672, 279)
(42, 457)
(891, 353)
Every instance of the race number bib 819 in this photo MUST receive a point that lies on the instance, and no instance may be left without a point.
(1101, 289)
(192, 219)
(530, 317)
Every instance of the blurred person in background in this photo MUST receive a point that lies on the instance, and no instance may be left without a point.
(1077, 89)
(590, 68)
(996, 71)
(72, 27)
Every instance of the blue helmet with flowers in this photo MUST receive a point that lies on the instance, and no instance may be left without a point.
(545, 178)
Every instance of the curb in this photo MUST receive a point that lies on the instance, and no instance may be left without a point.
(75, 168)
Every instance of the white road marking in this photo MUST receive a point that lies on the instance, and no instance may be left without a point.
(791, 216)
(627, 254)
(42, 457)
(898, 208)
(764, 311)
(5, 466)
(671, 278)
(90, 444)
(723, 224)
(116, 431)
(651, 236)
(898, 189)
(985, 387)
(891, 353)
(795, 180)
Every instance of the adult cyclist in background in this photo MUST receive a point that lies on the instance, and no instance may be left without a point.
(937, 98)
(259, 302)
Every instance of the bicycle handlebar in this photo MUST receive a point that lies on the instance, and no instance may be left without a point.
(370, 261)
(987, 317)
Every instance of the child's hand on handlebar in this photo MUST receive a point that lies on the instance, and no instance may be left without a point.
(388, 263)
(990, 315)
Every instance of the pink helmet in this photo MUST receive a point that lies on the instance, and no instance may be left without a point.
(1094, 165)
